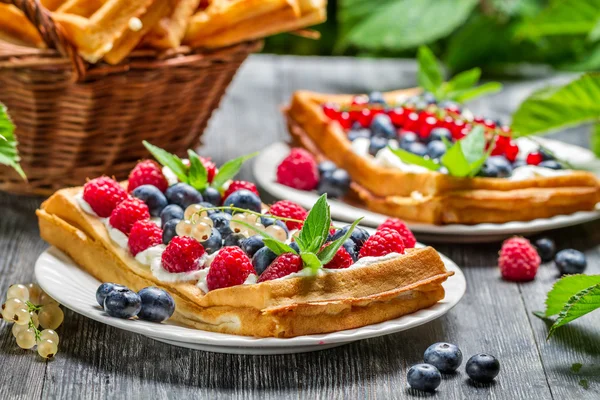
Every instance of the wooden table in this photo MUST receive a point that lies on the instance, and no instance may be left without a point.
(97, 361)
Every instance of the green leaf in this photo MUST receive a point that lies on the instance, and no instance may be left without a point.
(197, 176)
(464, 80)
(594, 34)
(168, 160)
(595, 139)
(229, 170)
(316, 226)
(565, 288)
(469, 94)
(563, 17)
(8, 143)
(578, 305)
(467, 156)
(311, 261)
(275, 245)
(551, 109)
(328, 252)
(429, 74)
(411, 158)
(473, 145)
(454, 160)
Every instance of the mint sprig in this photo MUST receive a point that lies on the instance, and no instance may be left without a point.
(230, 170)
(411, 158)
(9, 154)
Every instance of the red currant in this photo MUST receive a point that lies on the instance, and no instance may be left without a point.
(412, 122)
(427, 125)
(453, 108)
(511, 151)
(534, 158)
(331, 110)
(478, 120)
(344, 120)
(500, 145)
(365, 117)
(360, 100)
(398, 116)
(506, 130)
(488, 123)
(456, 128)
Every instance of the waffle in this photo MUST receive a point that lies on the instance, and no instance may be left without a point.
(169, 31)
(434, 197)
(280, 308)
(16, 28)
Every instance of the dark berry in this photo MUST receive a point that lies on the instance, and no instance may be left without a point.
(157, 305)
(359, 133)
(221, 222)
(170, 230)
(376, 98)
(326, 168)
(545, 248)
(519, 163)
(436, 149)
(234, 239)
(245, 199)
(350, 247)
(570, 261)
(172, 211)
(424, 377)
(336, 184)
(377, 143)
(214, 242)
(445, 357)
(552, 164)
(295, 246)
(546, 155)
(440, 134)
(359, 236)
(183, 195)
(488, 171)
(212, 196)
(407, 138)
(268, 221)
(502, 165)
(482, 368)
(262, 259)
(105, 289)
(122, 303)
(152, 196)
(417, 148)
(382, 126)
(429, 98)
(252, 245)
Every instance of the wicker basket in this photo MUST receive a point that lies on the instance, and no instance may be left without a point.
(76, 121)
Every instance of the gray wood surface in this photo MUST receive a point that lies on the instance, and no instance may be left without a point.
(98, 362)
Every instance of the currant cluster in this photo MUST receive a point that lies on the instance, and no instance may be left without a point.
(28, 307)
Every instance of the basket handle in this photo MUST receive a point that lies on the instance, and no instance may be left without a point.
(51, 33)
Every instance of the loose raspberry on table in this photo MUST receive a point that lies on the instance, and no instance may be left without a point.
(341, 260)
(234, 186)
(127, 213)
(519, 260)
(289, 209)
(211, 168)
(231, 267)
(384, 241)
(182, 254)
(103, 195)
(283, 265)
(399, 226)
(144, 234)
(147, 172)
(298, 170)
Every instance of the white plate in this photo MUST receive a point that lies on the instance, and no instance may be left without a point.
(74, 288)
(265, 168)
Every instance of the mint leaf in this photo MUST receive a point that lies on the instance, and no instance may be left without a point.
(473, 145)
(565, 288)
(429, 75)
(464, 80)
(197, 175)
(168, 160)
(9, 154)
(578, 305)
(273, 244)
(467, 156)
(328, 252)
(311, 261)
(316, 226)
(595, 139)
(411, 158)
(469, 94)
(229, 170)
(455, 162)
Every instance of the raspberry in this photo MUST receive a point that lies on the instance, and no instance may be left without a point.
(341, 260)
(399, 226)
(238, 185)
(289, 209)
(103, 195)
(519, 260)
(230, 267)
(283, 265)
(144, 234)
(182, 255)
(384, 241)
(147, 172)
(127, 213)
(211, 168)
(534, 158)
(298, 170)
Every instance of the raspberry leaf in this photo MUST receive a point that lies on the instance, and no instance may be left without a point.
(415, 159)
(169, 160)
(328, 252)
(310, 260)
(316, 226)
(197, 175)
(581, 303)
(566, 288)
(229, 170)
(8, 143)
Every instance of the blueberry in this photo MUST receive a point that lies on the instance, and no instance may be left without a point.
(545, 248)
(377, 143)
(234, 239)
(407, 138)
(359, 133)
(262, 259)
(488, 170)
(212, 196)
(570, 261)
(170, 230)
(502, 165)
(436, 149)
(183, 195)
(295, 246)
(268, 221)
(552, 164)
(449, 104)
(172, 211)
(445, 357)
(439, 134)
(359, 236)
(105, 289)
(424, 377)
(122, 303)
(519, 163)
(213, 243)
(429, 98)
(245, 199)
(336, 184)
(221, 223)
(482, 368)
(376, 98)
(546, 154)
(350, 247)
(326, 168)
(417, 148)
(206, 204)
(252, 245)
(152, 196)
(157, 304)
(382, 125)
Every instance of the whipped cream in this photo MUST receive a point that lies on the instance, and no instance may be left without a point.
(145, 257)
(387, 159)
(165, 276)
(117, 236)
(532, 171)
(170, 176)
(360, 146)
(85, 206)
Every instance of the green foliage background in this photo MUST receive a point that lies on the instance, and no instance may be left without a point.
(495, 35)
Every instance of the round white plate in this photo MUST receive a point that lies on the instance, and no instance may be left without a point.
(265, 167)
(74, 288)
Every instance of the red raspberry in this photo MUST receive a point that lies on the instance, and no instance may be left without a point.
(127, 213)
(289, 209)
(399, 226)
(237, 185)
(298, 170)
(519, 260)
(283, 265)
(341, 260)
(103, 195)
(230, 267)
(211, 168)
(182, 255)
(384, 241)
(147, 172)
(144, 234)
(534, 158)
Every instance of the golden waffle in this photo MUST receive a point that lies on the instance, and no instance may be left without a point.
(169, 31)
(16, 28)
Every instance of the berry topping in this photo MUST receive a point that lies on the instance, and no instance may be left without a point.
(157, 304)
(214, 241)
(341, 260)
(482, 368)
(103, 195)
(262, 259)
(519, 260)
(245, 199)
(147, 172)
(570, 261)
(212, 196)
(127, 213)
(144, 234)
(298, 170)
(252, 245)
(289, 209)
(237, 185)
(399, 226)
(336, 184)
(172, 211)
(211, 168)
(230, 267)
(170, 230)
(384, 241)
(534, 158)
(152, 196)
(183, 195)
(182, 254)
(285, 264)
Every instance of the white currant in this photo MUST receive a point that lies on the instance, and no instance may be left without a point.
(184, 228)
(49, 334)
(18, 292)
(47, 348)
(51, 316)
(26, 339)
